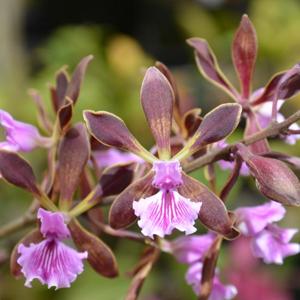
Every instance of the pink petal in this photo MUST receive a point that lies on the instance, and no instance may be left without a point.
(53, 224)
(189, 249)
(105, 158)
(219, 290)
(272, 244)
(164, 211)
(253, 220)
(51, 262)
(20, 136)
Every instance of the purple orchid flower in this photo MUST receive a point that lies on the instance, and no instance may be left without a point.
(50, 261)
(165, 198)
(219, 290)
(282, 86)
(191, 250)
(269, 241)
(20, 136)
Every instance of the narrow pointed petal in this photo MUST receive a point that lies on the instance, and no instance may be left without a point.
(74, 86)
(121, 212)
(58, 92)
(17, 171)
(252, 220)
(51, 262)
(110, 130)
(209, 67)
(165, 70)
(157, 99)
(215, 126)
(165, 211)
(269, 91)
(252, 127)
(100, 257)
(289, 83)
(213, 213)
(273, 178)
(73, 155)
(244, 50)
(65, 114)
(272, 244)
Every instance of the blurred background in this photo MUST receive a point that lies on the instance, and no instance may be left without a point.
(39, 37)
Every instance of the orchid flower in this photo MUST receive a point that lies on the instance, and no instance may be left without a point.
(281, 87)
(165, 198)
(269, 241)
(21, 136)
(191, 250)
(219, 290)
(50, 261)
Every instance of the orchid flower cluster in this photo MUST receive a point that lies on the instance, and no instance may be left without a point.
(99, 162)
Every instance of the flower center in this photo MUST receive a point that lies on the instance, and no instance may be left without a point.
(167, 174)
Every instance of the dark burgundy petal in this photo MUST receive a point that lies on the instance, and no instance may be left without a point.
(191, 121)
(269, 90)
(62, 82)
(73, 154)
(74, 86)
(100, 257)
(208, 66)
(176, 109)
(112, 131)
(65, 114)
(157, 100)
(116, 178)
(273, 178)
(244, 50)
(121, 212)
(215, 126)
(252, 127)
(213, 213)
(290, 83)
(33, 236)
(17, 171)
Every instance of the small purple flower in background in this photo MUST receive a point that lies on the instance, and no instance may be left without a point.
(111, 156)
(219, 290)
(165, 198)
(264, 117)
(191, 250)
(269, 241)
(50, 261)
(20, 136)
